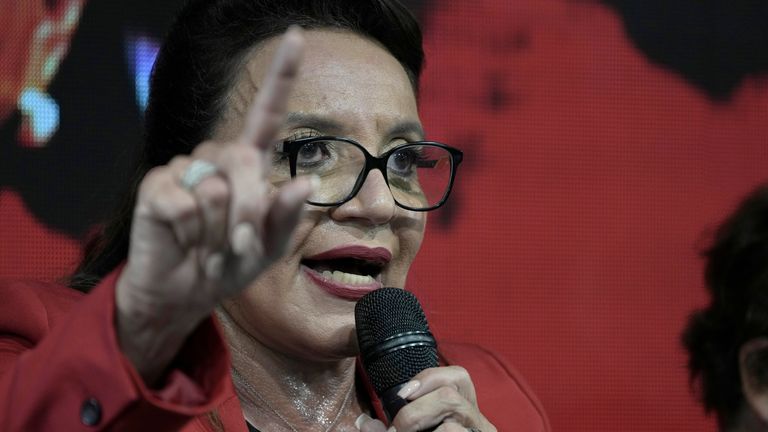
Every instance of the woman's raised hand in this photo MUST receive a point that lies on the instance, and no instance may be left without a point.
(207, 225)
(442, 398)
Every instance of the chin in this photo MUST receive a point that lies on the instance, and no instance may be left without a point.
(343, 342)
(317, 342)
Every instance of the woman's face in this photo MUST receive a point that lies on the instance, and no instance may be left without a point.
(350, 87)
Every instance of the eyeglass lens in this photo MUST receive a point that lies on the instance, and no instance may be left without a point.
(419, 175)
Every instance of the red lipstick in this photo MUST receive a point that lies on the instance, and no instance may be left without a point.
(378, 254)
(340, 289)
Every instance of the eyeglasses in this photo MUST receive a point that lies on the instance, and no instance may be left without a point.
(419, 174)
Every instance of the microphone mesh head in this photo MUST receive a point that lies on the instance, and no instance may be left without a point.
(380, 315)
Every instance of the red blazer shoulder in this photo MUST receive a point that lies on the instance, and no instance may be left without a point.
(28, 310)
(502, 394)
(61, 367)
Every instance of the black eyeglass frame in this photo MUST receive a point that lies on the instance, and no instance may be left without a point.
(292, 147)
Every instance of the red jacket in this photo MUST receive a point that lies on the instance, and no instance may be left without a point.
(61, 370)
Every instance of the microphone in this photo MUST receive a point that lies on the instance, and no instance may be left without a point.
(395, 343)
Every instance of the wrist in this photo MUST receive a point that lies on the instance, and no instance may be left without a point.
(149, 334)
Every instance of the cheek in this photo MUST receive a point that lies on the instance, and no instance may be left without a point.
(411, 237)
(304, 233)
(417, 233)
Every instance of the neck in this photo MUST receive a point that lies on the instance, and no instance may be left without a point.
(280, 392)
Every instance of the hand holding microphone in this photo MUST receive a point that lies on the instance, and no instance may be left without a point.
(400, 358)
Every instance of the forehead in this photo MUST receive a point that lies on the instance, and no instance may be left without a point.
(343, 76)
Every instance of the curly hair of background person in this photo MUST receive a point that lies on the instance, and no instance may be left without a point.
(727, 341)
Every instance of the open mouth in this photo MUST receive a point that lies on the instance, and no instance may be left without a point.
(350, 271)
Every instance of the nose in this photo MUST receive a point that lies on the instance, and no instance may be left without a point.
(373, 204)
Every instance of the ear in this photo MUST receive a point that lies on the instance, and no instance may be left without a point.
(753, 369)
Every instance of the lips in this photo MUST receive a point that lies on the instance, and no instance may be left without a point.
(348, 272)
(377, 254)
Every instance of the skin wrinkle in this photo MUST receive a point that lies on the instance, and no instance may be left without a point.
(300, 340)
(313, 408)
(412, 131)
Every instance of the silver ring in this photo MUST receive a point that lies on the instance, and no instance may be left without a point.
(196, 172)
(473, 430)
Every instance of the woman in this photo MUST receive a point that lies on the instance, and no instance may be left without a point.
(250, 202)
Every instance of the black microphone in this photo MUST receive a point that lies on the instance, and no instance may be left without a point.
(395, 343)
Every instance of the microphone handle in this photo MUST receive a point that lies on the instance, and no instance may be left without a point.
(393, 403)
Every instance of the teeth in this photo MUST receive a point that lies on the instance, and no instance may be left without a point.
(349, 278)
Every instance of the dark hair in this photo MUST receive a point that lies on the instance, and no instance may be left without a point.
(197, 66)
(737, 280)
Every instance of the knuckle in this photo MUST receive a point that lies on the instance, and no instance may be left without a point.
(177, 162)
(408, 420)
(448, 395)
(179, 209)
(461, 373)
(204, 148)
(158, 193)
(154, 181)
(154, 176)
(214, 192)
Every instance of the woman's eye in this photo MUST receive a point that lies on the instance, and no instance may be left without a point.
(402, 162)
(312, 153)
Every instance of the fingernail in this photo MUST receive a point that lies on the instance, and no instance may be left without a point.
(298, 190)
(361, 420)
(242, 237)
(392, 429)
(214, 266)
(314, 186)
(409, 388)
(294, 29)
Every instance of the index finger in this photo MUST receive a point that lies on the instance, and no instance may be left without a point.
(265, 116)
(455, 377)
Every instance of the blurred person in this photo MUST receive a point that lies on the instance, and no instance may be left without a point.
(282, 178)
(727, 341)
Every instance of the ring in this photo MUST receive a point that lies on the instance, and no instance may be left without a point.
(473, 430)
(196, 172)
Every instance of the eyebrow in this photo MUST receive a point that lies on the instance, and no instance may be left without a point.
(313, 121)
(331, 126)
(407, 127)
